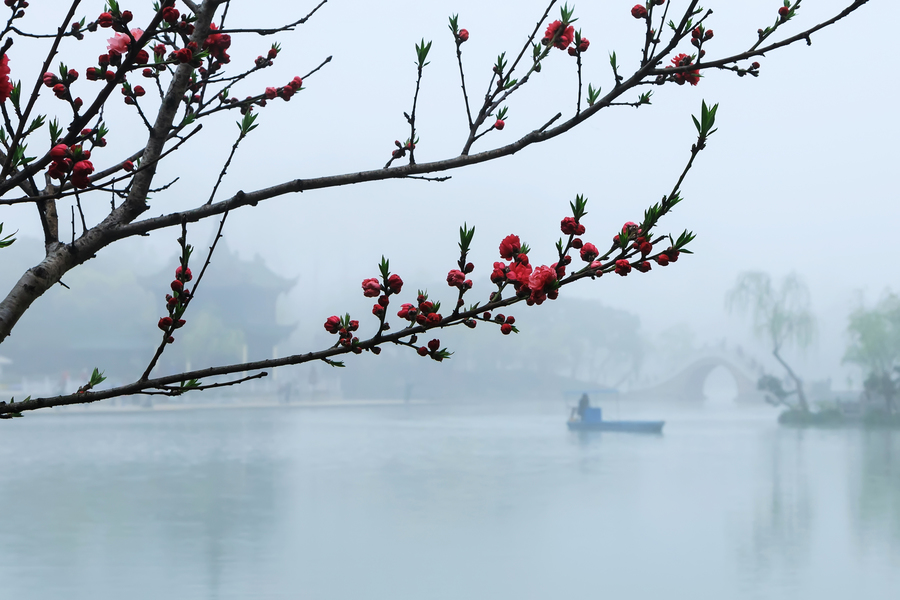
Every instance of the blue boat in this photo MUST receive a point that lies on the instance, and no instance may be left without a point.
(588, 418)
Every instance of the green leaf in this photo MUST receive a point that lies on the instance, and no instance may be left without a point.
(422, 52)
(246, 125)
(8, 240)
(97, 377)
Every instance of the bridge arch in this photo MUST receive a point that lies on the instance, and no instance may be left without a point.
(688, 384)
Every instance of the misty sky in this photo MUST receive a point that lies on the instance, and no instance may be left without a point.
(797, 178)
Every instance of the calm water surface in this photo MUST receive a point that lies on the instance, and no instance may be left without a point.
(444, 502)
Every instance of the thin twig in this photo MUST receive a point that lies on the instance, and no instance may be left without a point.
(274, 30)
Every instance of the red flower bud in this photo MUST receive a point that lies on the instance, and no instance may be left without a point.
(499, 124)
(589, 252)
(423, 351)
(105, 20)
(187, 275)
(463, 35)
(165, 323)
(395, 284)
(59, 151)
(638, 11)
(170, 15)
(177, 286)
(128, 166)
(332, 324)
(434, 345)
(506, 329)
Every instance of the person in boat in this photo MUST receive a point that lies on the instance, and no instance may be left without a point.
(584, 403)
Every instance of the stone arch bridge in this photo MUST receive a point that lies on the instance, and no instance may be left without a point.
(687, 385)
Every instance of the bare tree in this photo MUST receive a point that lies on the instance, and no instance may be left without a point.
(182, 54)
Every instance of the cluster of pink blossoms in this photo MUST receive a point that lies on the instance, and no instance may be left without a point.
(285, 93)
(344, 328)
(560, 34)
(457, 279)
(424, 312)
(71, 159)
(176, 301)
(372, 288)
(60, 85)
(539, 283)
(691, 77)
(217, 44)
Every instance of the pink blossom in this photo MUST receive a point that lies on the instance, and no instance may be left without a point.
(510, 246)
(121, 41)
(539, 282)
(589, 252)
(455, 277)
(371, 288)
(519, 274)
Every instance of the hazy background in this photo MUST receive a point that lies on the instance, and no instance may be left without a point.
(466, 498)
(798, 177)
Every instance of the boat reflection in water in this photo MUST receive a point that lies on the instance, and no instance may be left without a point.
(585, 417)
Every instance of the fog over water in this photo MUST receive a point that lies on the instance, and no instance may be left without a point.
(449, 495)
(445, 501)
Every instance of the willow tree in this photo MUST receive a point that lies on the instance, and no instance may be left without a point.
(875, 347)
(781, 317)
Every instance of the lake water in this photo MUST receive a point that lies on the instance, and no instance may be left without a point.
(444, 502)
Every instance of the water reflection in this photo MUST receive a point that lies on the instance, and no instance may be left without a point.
(775, 543)
(443, 502)
(876, 500)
